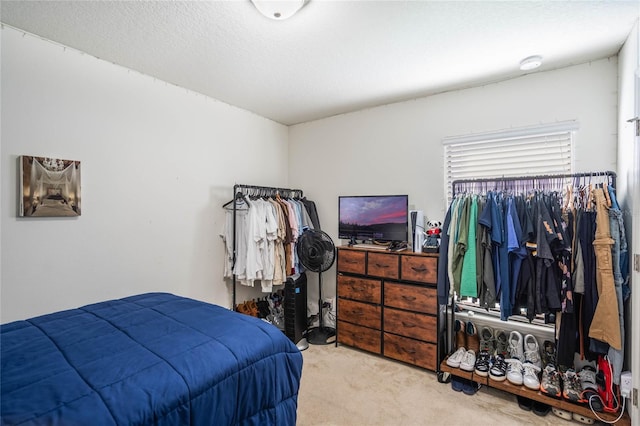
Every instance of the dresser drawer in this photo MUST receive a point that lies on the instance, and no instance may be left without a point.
(410, 324)
(360, 313)
(383, 265)
(351, 261)
(411, 297)
(411, 351)
(362, 289)
(419, 269)
(359, 337)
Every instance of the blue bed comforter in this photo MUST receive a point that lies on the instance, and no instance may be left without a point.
(154, 358)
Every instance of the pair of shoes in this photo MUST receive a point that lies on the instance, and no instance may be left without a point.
(520, 373)
(248, 308)
(471, 387)
(572, 386)
(483, 364)
(467, 337)
(498, 371)
(263, 308)
(524, 349)
(540, 408)
(487, 340)
(525, 403)
(455, 359)
(563, 414)
(550, 384)
(582, 419)
(457, 383)
(466, 386)
(590, 393)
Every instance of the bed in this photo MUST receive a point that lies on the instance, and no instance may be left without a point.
(153, 358)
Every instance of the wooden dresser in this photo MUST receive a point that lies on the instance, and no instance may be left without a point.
(387, 304)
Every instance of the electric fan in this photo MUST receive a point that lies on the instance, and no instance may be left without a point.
(317, 253)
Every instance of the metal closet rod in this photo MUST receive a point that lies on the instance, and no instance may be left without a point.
(608, 173)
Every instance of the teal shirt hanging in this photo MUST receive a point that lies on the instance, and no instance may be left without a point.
(468, 282)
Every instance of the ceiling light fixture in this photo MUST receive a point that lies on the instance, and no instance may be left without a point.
(530, 63)
(279, 9)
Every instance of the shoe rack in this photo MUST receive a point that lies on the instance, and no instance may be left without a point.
(562, 404)
(541, 333)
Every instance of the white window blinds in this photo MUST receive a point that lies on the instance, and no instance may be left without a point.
(538, 150)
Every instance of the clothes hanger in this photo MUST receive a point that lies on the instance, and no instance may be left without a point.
(239, 195)
(568, 198)
(606, 194)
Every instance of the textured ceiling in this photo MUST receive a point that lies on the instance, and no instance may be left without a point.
(333, 56)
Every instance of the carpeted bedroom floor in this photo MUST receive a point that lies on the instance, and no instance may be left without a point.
(345, 386)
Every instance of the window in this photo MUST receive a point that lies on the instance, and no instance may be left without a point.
(529, 151)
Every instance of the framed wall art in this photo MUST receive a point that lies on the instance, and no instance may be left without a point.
(49, 187)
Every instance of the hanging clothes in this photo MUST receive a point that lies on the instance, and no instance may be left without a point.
(589, 300)
(485, 276)
(605, 325)
(550, 252)
(453, 260)
(468, 278)
(263, 249)
(619, 256)
(443, 288)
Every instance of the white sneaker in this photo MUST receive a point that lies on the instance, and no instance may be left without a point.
(532, 350)
(468, 362)
(563, 414)
(514, 371)
(456, 358)
(530, 376)
(515, 345)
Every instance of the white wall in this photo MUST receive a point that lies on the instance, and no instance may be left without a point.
(158, 162)
(629, 191)
(397, 148)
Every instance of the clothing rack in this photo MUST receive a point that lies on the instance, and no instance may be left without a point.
(241, 191)
(553, 182)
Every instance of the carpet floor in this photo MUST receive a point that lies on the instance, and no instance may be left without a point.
(345, 386)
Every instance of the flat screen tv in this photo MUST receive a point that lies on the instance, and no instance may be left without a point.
(379, 218)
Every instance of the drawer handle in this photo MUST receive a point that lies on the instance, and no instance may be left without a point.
(381, 266)
(409, 298)
(408, 325)
(420, 269)
(410, 352)
(351, 261)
